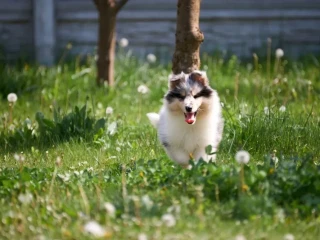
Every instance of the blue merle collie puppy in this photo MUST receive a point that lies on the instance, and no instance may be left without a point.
(190, 118)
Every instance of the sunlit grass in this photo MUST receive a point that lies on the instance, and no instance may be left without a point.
(50, 187)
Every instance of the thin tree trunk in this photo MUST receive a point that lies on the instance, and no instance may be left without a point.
(186, 57)
(107, 10)
(106, 46)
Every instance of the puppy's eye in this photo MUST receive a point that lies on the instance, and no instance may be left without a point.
(179, 96)
(174, 95)
(198, 95)
(205, 92)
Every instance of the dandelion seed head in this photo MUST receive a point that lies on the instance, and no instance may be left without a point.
(169, 220)
(64, 177)
(16, 157)
(147, 201)
(110, 208)
(58, 161)
(94, 228)
(19, 157)
(280, 215)
(282, 108)
(143, 89)
(123, 42)
(279, 53)
(22, 158)
(266, 110)
(112, 128)
(109, 110)
(288, 236)
(142, 236)
(100, 105)
(242, 157)
(69, 46)
(151, 58)
(12, 97)
(276, 81)
(25, 198)
(28, 123)
(240, 237)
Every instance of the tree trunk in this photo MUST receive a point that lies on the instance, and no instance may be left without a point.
(107, 10)
(186, 56)
(106, 46)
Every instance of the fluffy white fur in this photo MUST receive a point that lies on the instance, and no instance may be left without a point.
(180, 139)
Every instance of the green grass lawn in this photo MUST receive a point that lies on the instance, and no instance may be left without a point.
(64, 160)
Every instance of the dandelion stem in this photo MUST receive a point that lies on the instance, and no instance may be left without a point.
(124, 189)
(137, 210)
(269, 41)
(256, 62)
(236, 85)
(242, 178)
(216, 188)
(139, 112)
(84, 199)
(52, 181)
(277, 64)
(10, 113)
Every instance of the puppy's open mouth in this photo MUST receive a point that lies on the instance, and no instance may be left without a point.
(190, 118)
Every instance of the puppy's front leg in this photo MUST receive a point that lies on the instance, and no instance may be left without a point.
(178, 155)
(201, 153)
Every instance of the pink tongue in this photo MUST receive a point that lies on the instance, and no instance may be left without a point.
(190, 118)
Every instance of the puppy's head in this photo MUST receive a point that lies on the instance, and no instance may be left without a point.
(189, 94)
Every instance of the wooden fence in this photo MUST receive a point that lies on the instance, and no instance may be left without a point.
(41, 29)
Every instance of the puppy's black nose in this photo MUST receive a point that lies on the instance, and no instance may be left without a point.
(188, 109)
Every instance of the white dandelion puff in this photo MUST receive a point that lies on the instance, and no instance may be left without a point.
(242, 157)
(142, 236)
(143, 89)
(266, 111)
(28, 123)
(109, 110)
(12, 97)
(240, 237)
(288, 236)
(151, 58)
(58, 161)
(123, 42)
(25, 198)
(94, 228)
(112, 128)
(100, 105)
(147, 201)
(280, 215)
(65, 177)
(19, 157)
(282, 108)
(16, 157)
(110, 208)
(279, 53)
(169, 220)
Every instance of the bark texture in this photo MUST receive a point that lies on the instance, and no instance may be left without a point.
(107, 11)
(186, 56)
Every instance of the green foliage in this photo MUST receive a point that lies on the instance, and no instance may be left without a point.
(20, 80)
(78, 124)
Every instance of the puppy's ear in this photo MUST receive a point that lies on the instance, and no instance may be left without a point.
(200, 77)
(175, 80)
